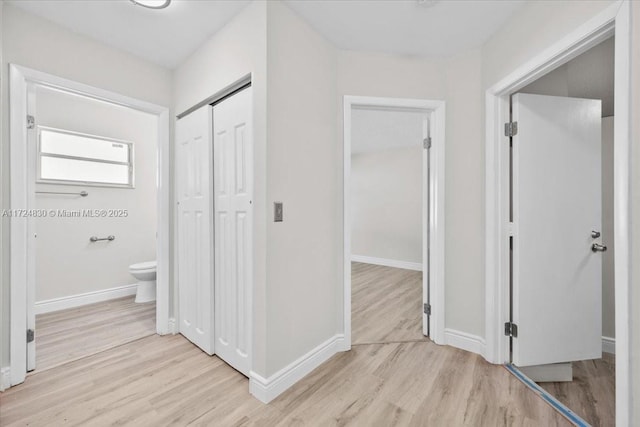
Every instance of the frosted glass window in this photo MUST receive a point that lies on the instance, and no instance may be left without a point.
(65, 144)
(62, 169)
(69, 157)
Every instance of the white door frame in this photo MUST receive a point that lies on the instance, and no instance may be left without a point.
(615, 17)
(21, 198)
(436, 206)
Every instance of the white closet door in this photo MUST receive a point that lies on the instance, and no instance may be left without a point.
(233, 182)
(557, 278)
(194, 227)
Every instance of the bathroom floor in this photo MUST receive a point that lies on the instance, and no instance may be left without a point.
(67, 335)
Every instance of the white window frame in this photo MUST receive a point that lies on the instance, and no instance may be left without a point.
(40, 154)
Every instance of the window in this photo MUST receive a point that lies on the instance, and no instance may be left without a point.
(66, 157)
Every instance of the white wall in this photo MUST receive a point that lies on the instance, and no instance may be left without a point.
(386, 202)
(521, 37)
(36, 43)
(590, 75)
(304, 274)
(236, 50)
(379, 129)
(66, 262)
(464, 195)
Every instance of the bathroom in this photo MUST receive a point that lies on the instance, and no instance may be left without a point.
(95, 221)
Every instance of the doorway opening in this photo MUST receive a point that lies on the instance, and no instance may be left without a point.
(96, 224)
(90, 167)
(393, 219)
(562, 216)
(502, 232)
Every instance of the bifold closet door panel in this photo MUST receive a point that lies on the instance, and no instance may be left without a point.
(233, 206)
(194, 172)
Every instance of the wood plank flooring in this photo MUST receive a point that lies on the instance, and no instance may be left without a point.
(592, 393)
(68, 335)
(162, 381)
(386, 304)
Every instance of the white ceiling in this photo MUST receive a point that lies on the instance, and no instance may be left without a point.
(168, 36)
(433, 29)
(375, 129)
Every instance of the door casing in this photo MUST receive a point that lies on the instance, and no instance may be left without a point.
(435, 224)
(22, 197)
(616, 18)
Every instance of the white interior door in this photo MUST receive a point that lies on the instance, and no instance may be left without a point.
(233, 181)
(194, 228)
(557, 280)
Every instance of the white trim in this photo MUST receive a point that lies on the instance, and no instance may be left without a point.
(616, 16)
(407, 265)
(609, 345)
(267, 389)
(5, 378)
(79, 300)
(464, 341)
(436, 271)
(172, 326)
(21, 198)
(18, 200)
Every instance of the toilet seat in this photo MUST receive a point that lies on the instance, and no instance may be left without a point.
(143, 266)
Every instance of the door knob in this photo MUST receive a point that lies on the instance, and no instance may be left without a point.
(596, 247)
(595, 234)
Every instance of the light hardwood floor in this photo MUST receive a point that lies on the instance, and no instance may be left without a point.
(386, 304)
(162, 381)
(592, 393)
(67, 335)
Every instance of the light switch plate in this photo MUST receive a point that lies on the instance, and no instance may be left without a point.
(277, 211)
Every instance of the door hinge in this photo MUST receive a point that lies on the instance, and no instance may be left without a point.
(31, 122)
(427, 309)
(426, 143)
(31, 335)
(511, 129)
(511, 329)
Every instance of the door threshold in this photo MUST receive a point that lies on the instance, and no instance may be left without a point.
(571, 416)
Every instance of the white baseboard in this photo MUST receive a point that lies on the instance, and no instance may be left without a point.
(608, 345)
(407, 265)
(84, 299)
(464, 341)
(5, 378)
(267, 389)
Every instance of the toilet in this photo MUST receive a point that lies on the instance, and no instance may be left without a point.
(145, 272)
